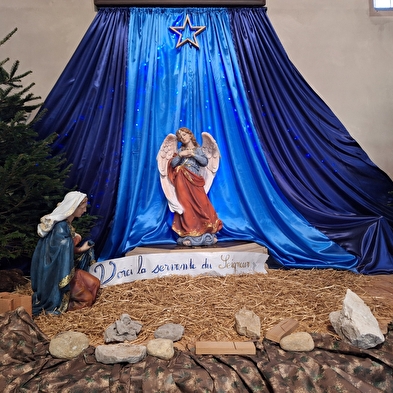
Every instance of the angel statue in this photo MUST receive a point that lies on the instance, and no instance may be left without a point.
(186, 176)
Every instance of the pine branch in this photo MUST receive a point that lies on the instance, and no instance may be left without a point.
(32, 179)
(8, 36)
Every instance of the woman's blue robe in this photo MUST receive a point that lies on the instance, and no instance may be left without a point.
(52, 268)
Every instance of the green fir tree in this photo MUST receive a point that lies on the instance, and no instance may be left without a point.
(31, 179)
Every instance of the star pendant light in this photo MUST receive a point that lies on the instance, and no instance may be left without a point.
(179, 31)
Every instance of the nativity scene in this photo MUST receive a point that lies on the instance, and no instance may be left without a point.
(276, 187)
(291, 177)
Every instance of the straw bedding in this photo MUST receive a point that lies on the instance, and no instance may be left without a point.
(206, 305)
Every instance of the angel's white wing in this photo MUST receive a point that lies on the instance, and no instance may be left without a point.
(167, 149)
(210, 148)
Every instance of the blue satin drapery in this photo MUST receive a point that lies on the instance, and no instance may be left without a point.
(201, 89)
(316, 163)
(220, 88)
(86, 109)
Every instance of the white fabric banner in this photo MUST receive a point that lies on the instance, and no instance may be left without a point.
(147, 266)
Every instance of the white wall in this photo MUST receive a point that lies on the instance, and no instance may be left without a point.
(345, 55)
(48, 33)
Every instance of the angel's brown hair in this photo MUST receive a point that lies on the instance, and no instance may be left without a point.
(188, 131)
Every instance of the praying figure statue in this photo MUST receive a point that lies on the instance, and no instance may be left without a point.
(186, 175)
(60, 279)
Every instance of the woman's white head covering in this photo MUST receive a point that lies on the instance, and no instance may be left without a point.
(63, 210)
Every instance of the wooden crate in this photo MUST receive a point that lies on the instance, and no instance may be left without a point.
(10, 301)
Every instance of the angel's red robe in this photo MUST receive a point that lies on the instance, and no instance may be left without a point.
(199, 216)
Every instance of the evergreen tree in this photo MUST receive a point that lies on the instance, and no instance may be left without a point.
(31, 179)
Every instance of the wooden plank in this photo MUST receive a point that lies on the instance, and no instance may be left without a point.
(381, 278)
(383, 324)
(378, 292)
(218, 247)
(385, 286)
(245, 347)
(385, 277)
(179, 3)
(225, 348)
(285, 327)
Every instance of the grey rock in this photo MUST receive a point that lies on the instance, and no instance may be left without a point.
(299, 341)
(125, 324)
(120, 353)
(161, 348)
(124, 329)
(171, 331)
(248, 323)
(356, 324)
(68, 345)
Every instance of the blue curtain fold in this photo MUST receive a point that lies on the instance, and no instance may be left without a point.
(128, 86)
(86, 109)
(319, 167)
(202, 89)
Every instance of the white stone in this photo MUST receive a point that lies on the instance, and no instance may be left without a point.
(299, 341)
(161, 348)
(356, 324)
(68, 345)
(248, 323)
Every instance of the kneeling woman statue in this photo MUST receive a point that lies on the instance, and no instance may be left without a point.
(186, 176)
(61, 282)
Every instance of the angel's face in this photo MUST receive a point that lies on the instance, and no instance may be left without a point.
(184, 137)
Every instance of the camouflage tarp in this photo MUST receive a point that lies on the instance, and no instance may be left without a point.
(333, 366)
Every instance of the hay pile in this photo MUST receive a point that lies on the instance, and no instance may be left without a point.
(206, 305)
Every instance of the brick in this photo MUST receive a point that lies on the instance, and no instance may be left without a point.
(284, 328)
(224, 348)
(6, 304)
(11, 301)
